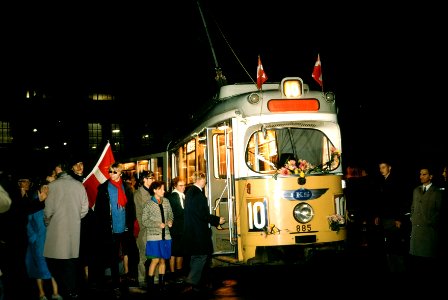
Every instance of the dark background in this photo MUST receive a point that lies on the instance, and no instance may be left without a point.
(385, 65)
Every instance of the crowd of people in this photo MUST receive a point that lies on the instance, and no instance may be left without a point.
(395, 221)
(138, 234)
(61, 247)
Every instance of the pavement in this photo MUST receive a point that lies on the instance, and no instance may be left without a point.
(225, 289)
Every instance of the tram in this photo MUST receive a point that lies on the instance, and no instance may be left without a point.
(272, 158)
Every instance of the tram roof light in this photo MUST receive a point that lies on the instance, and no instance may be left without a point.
(330, 97)
(292, 87)
(288, 105)
(253, 98)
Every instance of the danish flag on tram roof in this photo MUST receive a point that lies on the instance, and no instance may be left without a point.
(317, 71)
(99, 174)
(261, 75)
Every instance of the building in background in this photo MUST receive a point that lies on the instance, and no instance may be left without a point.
(46, 123)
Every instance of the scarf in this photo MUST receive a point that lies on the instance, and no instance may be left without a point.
(158, 201)
(181, 197)
(122, 200)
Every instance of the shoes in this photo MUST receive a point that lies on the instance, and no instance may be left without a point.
(142, 284)
(56, 297)
(180, 280)
(43, 298)
(73, 296)
(190, 288)
(116, 293)
(132, 282)
(137, 290)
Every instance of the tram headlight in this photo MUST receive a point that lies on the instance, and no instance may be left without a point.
(253, 98)
(329, 97)
(303, 212)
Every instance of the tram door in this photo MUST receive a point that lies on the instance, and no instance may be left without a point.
(220, 186)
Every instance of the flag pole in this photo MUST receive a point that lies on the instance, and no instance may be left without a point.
(259, 63)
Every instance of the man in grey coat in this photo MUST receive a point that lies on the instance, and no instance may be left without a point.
(425, 219)
(5, 204)
(5, 200)
(66, 205)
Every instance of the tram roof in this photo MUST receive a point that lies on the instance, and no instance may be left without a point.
(242, 88)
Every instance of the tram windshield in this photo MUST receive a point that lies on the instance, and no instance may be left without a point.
(289, 151)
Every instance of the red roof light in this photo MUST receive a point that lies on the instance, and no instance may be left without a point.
(286, 105)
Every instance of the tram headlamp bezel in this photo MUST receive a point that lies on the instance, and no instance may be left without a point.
(253, 98)
(303, 212)
(330, 97)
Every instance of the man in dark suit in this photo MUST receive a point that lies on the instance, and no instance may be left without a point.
(197, 232)
(391, 233)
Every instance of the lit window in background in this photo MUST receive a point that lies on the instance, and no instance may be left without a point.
(117, 137)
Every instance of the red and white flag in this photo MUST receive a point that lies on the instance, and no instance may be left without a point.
(99, 174)
(261, 75)
(317, 71)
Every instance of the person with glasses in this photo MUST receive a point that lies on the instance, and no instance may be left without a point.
(177, 200)
(115, 214)
(141, 197)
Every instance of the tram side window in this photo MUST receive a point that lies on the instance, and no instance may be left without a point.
(191, 157)
(156, 165)
(219, 165)
(261, 154)
(219, 150)
(181, 162)
(201, 156)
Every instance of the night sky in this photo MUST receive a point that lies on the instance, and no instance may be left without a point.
(384, 65)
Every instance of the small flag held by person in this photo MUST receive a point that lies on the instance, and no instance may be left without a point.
(261, 75)
(317, 71)
(99, 174)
